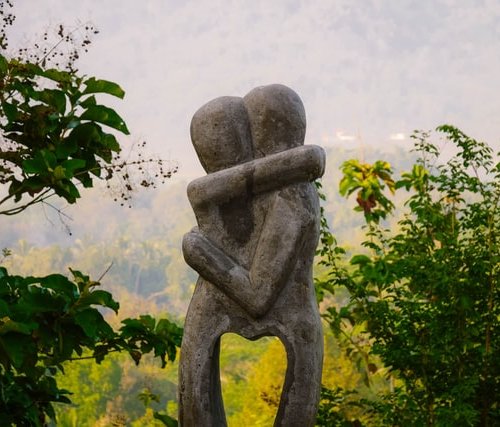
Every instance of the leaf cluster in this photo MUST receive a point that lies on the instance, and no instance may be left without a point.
(55, 137)
(54, 132)
(47, 321)
(369, 181)
(147, 397)
(328, 410)
(427, 296)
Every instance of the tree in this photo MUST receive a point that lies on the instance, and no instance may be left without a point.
(425, 295)
(56, 138)
(55, 135)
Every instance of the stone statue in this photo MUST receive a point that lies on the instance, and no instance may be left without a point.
(258, 228)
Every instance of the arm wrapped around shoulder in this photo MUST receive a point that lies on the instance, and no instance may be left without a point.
(300, 164)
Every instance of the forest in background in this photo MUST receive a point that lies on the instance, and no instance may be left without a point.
(409, 294)
(142, 244)
(147, 274)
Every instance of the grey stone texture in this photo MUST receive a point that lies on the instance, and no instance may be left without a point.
(258, 228)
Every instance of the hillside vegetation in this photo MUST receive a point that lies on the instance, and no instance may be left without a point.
(147, 274)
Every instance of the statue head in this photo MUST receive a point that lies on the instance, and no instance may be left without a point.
(220, 132)
(277, 119)
(228, 131)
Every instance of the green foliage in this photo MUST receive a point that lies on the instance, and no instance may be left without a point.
(55, 138)
(329, 408)
(47, 321)
(369, 181)
(425, 297)
(147, 397)
(106, 392)
(145, 334)
(56, 135)
(252, 376)
(53, 134)
(165, 419)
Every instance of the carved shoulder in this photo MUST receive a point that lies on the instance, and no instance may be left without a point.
(300, 164)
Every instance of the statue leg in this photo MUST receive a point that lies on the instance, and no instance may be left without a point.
(200, 395)
(301, 391)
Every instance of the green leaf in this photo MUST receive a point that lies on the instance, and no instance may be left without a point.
(68, 343)
(49, 158)
(16, 188)
(61, 285)
(360, 259)
(72, 165)
(345, 185)
(53, 97)
(39, 300)
(72, 124)
(92, 323)
(59, 172)
(406, 183)
(56, 75)
(40, 163)
(143, 324)
(109, 140)
(165, 419)
(86, 134)
(18, 347)
(88, 102)
(9, 325)
(98, 297)
(34, 166)
(106, 116)
(148, 321)
(166, 326)
(4, 65)
(66, 148)
(34, 184)
(103, 86)
(67, 190)
(4, 309)
(131, 324)
(82, 280)
(10, 111)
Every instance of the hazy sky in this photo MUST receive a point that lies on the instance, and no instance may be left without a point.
(375, 69)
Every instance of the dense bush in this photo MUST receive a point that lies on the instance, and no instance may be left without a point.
(426, 293)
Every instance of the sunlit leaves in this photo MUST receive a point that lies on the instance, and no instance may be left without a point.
(55, 139)
(369, 181)
(145, 334)
(50, 320)
(426, 294)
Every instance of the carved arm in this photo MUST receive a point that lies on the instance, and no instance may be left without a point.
(280, 243)
(300, 164)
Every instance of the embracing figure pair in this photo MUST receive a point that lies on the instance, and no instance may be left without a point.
(258, 227)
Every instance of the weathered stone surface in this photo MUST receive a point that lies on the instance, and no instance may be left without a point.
(277, 119)
(253, 248)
